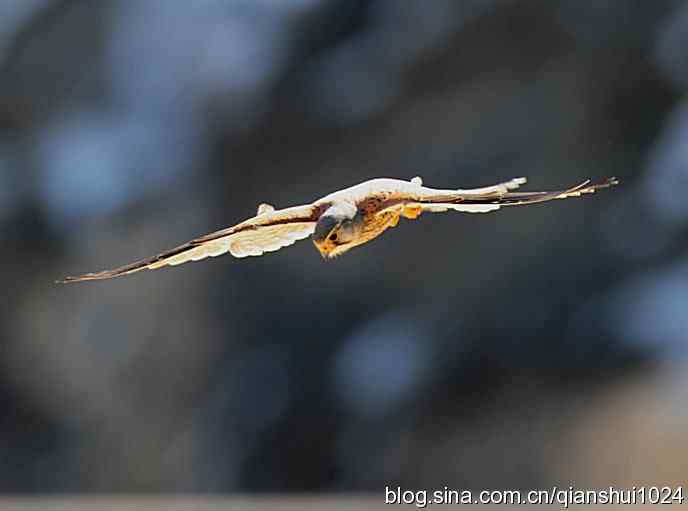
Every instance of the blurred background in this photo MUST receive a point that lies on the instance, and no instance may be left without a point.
(538, 346)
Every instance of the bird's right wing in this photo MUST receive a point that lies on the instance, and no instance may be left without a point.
(268, 231)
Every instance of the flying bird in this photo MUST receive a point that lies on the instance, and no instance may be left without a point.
(344, 219)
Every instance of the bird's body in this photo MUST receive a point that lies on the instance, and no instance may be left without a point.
(344, 219)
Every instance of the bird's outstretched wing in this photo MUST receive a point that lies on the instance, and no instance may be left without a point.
(495, 197)
(268, 231)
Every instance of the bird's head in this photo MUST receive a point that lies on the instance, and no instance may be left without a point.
(337, 230)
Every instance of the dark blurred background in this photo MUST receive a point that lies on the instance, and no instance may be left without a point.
(530, 347)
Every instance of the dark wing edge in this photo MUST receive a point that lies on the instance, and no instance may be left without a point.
(127, 269)
(485, 203)
(586, 187)
(298, 215)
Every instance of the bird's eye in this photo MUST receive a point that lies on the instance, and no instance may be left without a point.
(333, 236)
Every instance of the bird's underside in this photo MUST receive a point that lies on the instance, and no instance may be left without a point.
(343, 220)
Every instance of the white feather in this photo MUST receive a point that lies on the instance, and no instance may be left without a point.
(464, 208)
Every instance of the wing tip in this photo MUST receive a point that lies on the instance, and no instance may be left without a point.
(607, 183)
(101, 275)
(588, 186)
(70, 280)
(85, 277)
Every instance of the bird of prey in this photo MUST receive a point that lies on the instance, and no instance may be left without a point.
(344, 219)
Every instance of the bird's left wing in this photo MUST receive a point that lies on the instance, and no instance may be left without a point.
(268, 231)
(484, 203)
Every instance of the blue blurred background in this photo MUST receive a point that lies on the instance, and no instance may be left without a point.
(539, 346)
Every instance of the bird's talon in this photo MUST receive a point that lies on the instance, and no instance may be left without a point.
(412, 212)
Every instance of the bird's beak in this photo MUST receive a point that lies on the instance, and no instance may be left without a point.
(322, 249)
(326, 249)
